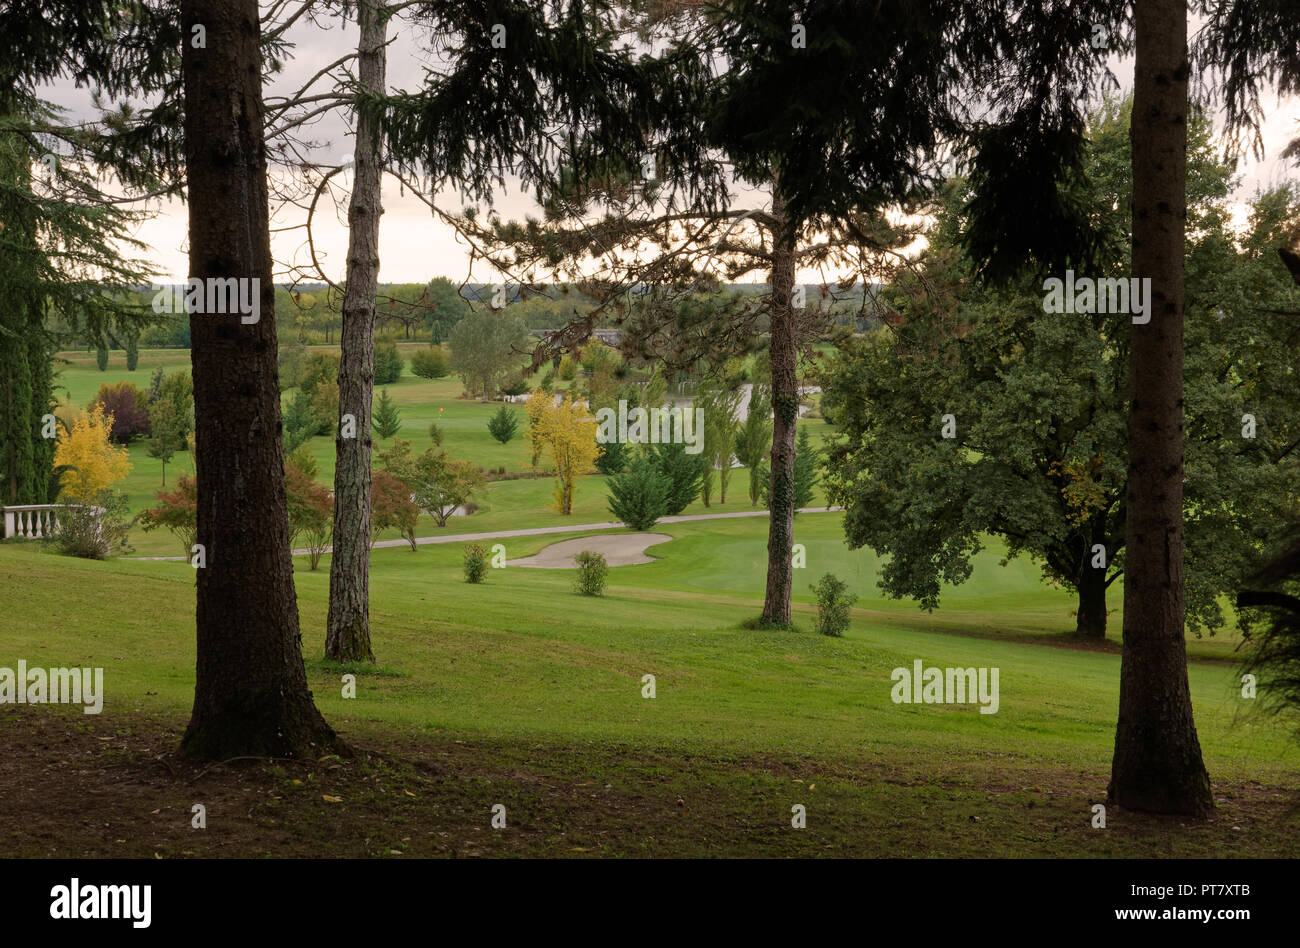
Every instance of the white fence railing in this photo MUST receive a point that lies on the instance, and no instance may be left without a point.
(34, 521)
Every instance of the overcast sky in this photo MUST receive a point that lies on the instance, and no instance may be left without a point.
(414, 247)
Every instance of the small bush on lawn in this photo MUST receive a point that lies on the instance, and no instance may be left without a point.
(95, 531)
(435, 432)
(504, 425)
(591, 573)
(833, 605)
(476, 563)
(430, 363)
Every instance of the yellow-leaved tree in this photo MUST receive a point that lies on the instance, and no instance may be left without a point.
(93, 462)
(567, 430)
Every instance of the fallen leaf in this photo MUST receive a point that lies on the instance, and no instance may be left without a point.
(329, 799)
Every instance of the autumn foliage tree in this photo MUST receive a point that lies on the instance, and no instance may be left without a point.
(176, 511)
(91, 461)
(566, 430)
(391, 507)
(311, 511)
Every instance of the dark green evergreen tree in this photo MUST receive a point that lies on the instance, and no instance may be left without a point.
(387, 417)
(639, 497)
(504, 424)
(682, 473)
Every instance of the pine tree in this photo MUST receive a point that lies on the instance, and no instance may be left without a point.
(639, 497)
(250, 695)
(1157, 764)
(61, 253)
(682, 472)
(504, 424)
(387, 419)
(806, 463)
(299, 422)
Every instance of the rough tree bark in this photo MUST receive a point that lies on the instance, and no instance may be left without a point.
(250, 695)
(347, 636)
(1092, 603)
(1157, 765)
(785, 411)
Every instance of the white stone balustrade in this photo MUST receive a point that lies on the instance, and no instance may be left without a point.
(34, 521)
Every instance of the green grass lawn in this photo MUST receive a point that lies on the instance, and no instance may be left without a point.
(522, 662)
(531, 693)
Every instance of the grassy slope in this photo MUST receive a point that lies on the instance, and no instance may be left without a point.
(524, 687)
(520, 681)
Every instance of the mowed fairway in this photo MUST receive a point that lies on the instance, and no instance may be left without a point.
(502, 505)
(518, 691)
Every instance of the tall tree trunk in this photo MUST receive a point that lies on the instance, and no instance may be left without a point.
(1157, 765)
(785, 412)
(250, 692)
(347, 637)
(1092, 603)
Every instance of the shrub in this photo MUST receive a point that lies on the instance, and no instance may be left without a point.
(430, 363)
(101, 359)
(568, 369)
(132, 353)
(591, 573)
(832, 605)
(515, 386)
(320, 367)
(503, 425)
(325, 407)
(476, 563)
(94, 531)
(612, 458)
(435, 432)
(129, 407)
(302, 458)
(388, 363)
(639, 497)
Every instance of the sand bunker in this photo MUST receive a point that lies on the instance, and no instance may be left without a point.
(620, 549)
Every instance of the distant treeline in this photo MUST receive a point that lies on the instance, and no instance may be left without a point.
(310, 313)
